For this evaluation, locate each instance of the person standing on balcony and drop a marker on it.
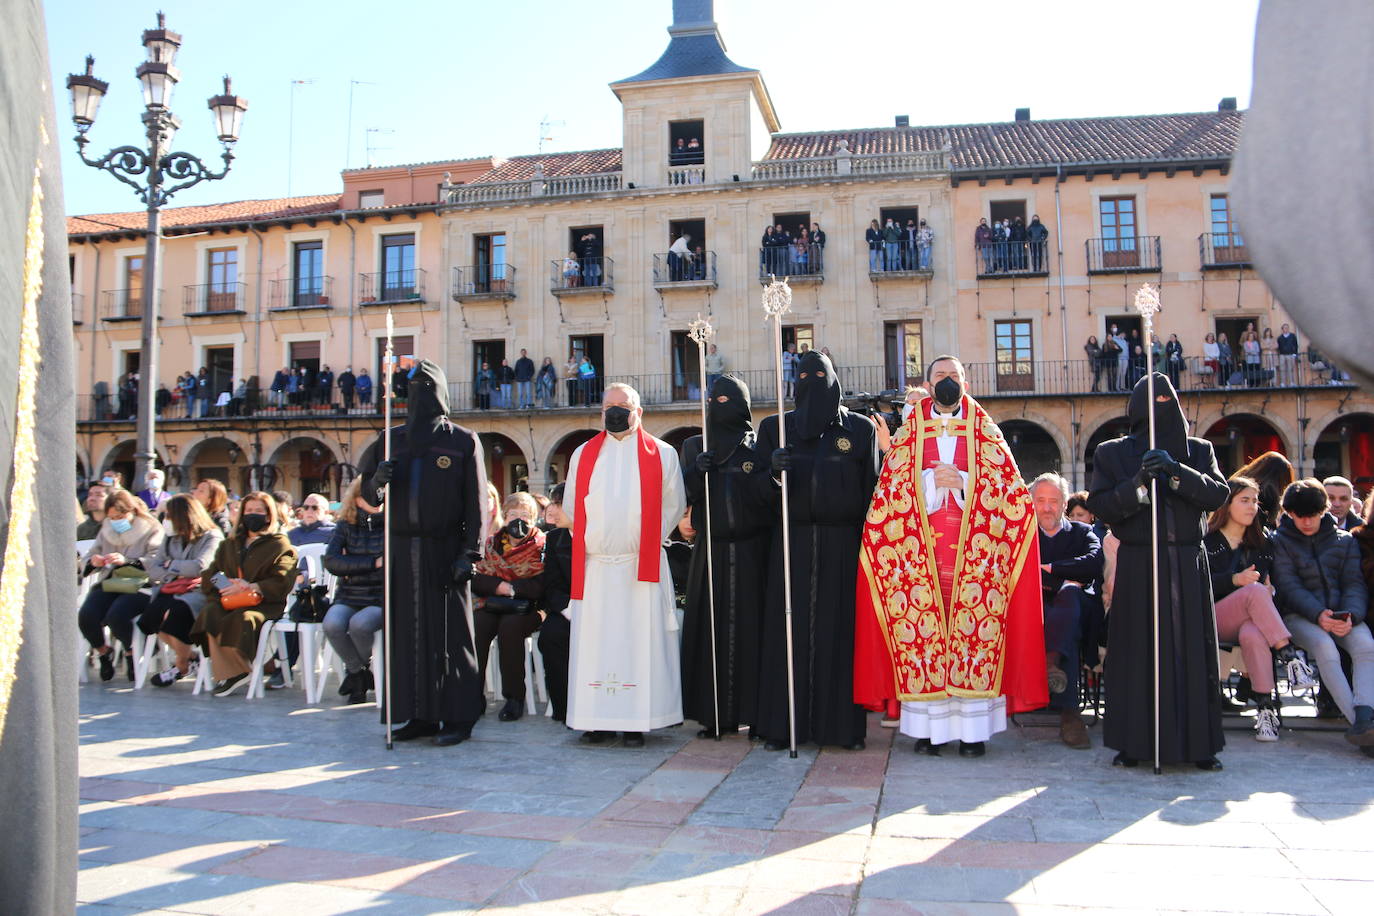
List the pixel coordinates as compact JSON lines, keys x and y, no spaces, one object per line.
{"x":909,"y":233}
{"x":347,"y":382}
{"x":570,"y":377}
{"x":1225,"y":359}
{"x":277,"y":390}
{"x":766,"y":252}
{"x":1094,"y":351}
{"x":1123,"y":357}
{"x":679,"y":256}
{"x":486,"y":380}
{"x":1253,"y":353}
{"x":789,"y":369}
{"x":505,"y":381}
{"x":324,"y":387}
{"x":571,"y":270}
{"x":892,"y":242}
{"x":1288,"y":356}
{"x":586,"y":376}
{"x":1038,"y":234}
{"x":1269,"y":350}
{"x":293,"y":387}
{"x":715,"y":366}
{"x":204,"y":394}
{"x":524,"y":381}
{"x":817,"y":248}
{"x":546,"y":383}
{"x":874,"y":238}
{"x":983,"y":241}
{"x":589,"y":250}
{"x":1001,"y":234}
{"x":925,"y":238}
{"x":1173,"y":359}
{"x":1017,"y":236}
{"x":364,"y":387}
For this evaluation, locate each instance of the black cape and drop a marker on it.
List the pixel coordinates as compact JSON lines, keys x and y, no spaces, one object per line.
{"x":437,"y":496}
{"x":38,"y":743}
{"x":1190,"y":699}
{"x":739,"y":527}
{"x":834,"y":470}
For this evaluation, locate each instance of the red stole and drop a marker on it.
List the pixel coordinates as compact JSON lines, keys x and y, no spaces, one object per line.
{"x":650,"y":509}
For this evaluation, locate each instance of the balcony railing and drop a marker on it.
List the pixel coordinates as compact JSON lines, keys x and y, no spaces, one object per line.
{"x":1126,"y":254}
{"x":121,"y":304}
{"x":563,"y":186}
{"x":391,"y":287}
{"x":696,"y":269}
{"x":484,"y":281}
{"x":576,"y":275}
{"x":801,"y":263}
{"x":301,"y":293}
{"x":900,"y":259}
{"x":1012,"y":259}
{"x":686,"y":174}
{"x":212,"y":299}
{"x":844,"y":163}
{"x":1223,"y":250}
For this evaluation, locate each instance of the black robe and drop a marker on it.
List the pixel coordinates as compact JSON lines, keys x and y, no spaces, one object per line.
{"x":740,"y":531}
{"x":1190,"y":698}
{"x":436,"y":498}
{"x":834,"y":471}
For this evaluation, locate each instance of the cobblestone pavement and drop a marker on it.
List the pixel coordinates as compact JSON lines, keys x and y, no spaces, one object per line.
{"x":205,"y":805}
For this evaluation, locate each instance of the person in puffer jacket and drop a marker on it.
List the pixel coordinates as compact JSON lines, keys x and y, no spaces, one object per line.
{"x":1323,"y":597}
{"x":354,"y":555}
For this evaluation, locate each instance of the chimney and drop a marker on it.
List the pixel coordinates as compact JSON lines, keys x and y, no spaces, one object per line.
{"x":1023,"y":114}
{"x":1227,"y":104}
{"x":903,"y":120}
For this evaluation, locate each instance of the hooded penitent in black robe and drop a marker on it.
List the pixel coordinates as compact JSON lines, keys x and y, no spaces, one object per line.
{"x":738,"y":528}
{"x":1190,"y":700}
{"x":834,"y":455}
{"x":436,"y":501}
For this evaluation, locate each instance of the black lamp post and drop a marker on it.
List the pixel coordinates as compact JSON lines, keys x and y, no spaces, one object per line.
{"x":155,"y":174}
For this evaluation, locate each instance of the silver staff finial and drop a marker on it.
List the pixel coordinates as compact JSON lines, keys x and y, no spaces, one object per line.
{"x":700,"y":331}
{"x":777,"y":297}
{"x":1147,"y":300}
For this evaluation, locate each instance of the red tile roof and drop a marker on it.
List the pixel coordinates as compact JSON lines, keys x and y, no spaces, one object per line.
{"x":556,"y":165}
{"x":209,"y":214}
{"x":1010,"y":144}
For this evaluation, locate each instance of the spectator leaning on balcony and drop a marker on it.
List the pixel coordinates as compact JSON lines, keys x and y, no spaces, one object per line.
{"x":1211,"y":359}
{"x":1037,"y":233}
{"x":892,"y":243}
{"x":679,"y":257}
{"x":586,"y":377}
{"x":278,"y":388}
{"x":129,"y":537}
{"x":874,"y":238}
{"x":1121,"y":349}
{"x":571,"y":270}
{"x":205,"y":393}
{"x":354,"y":555}
{"x":1288,"y":356}
{"x":1322,"y":594}
{"x":524,"y":381}
{"x":909,"y":245}
{"x":347,"y":382}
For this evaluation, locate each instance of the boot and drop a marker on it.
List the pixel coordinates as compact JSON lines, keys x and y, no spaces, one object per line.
{"x":1361,"y":731}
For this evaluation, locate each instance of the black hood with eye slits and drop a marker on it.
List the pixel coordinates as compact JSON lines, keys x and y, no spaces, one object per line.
{"x":818,"y":395}
{"x":728,"y":422}
{"x":427,"y":402}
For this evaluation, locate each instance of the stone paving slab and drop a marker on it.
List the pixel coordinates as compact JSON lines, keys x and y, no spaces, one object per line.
{"x":205,"y":805}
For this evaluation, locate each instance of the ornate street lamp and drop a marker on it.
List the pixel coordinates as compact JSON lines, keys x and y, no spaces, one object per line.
{"x":155,"y":173}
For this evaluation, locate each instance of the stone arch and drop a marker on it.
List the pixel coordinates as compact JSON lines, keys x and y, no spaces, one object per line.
{"x":505,"y":463}
{"x":678,"y":435}
{"x":1108,"y":427}
{"x":1034,"y":447}
{"x":120,"y":456}
{"x":556,"y":465}
{"x":216,"y":457}
{"x":1344,"y":446}
{"x":302,"y":463}
{"x":1238,"y":437}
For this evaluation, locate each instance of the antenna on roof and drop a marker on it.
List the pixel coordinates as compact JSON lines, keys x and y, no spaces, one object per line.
{"x":545,"y":131}
{"x":348,"y":130}
{"x":291,"y":130}
{"x":370,"y":147}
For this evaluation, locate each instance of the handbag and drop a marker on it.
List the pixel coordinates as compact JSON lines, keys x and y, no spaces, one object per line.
{"x":311,"y":604}
{"x":238,"y":602}
{"x":503,"y":604}
{"x":180,"y":586}
{"x":125,"y":580}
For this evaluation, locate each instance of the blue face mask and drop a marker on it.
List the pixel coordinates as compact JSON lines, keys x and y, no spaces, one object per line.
{"x":121,"y":525}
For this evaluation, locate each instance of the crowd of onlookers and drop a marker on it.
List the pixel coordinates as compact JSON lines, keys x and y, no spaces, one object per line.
{"x":792,"y":254}
{"x":1258,"y":360}
{"x":1010,"y":245}
{"x":523,"y":387}
{"x":892,"y":246}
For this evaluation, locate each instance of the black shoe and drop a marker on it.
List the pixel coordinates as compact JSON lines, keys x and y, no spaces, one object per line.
{"x":415,"y":728}
{"x":346,"y":686}
{"x":854,"y":745}
{"x":366,"y":679}
{"x":1367,"y":751}
{"x":1210,"y":765}
{"x":923,"y":746}
{"x":1361,"y":731}
{"x":1326,"y":707}
{"x":513,"y":710}
{"x":107,"y":666}
{"x":634,"y":739}
{"x":597,"y":737}
{"x":972,"y":748}
{"x":771,"y":745}
{"x":359,"y":692}
{"x":129,"y":665}
{"x":228,"y":686}
{"x":1121,"y":760}
{"x":450,"y":735}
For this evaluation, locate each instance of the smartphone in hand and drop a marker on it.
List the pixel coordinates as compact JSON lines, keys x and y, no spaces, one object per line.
{"x":220,"y":581}
{"x":1342,"y":616}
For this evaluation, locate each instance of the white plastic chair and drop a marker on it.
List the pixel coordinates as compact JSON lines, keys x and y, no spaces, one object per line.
{"x":534,"y":676}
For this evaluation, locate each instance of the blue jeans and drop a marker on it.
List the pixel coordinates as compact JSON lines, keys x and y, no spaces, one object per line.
{"x":525,"y":391}
{"x":1063,"y":634}
{"x":875,"y":260}
{"x":350,"y":632}
{"x":504,"y":400}
{"x":923,"y":253}
{"x":890,"y":251}
{"x":591,"y":275}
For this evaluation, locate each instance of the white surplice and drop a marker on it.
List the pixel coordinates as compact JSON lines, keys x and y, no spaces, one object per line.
{"x":624,"y":669}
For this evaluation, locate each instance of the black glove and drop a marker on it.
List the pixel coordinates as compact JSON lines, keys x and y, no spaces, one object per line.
{"x":382,"y":476}
{"x":705,"y":462}
{"x":462,"y":570}
{"x":782,"y":460}
{"x":1159,"y":463}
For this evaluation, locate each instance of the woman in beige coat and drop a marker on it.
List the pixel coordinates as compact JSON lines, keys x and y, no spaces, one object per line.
{"x":129,"y":536}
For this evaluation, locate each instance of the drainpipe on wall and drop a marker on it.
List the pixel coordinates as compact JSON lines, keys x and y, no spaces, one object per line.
{"x":352,"y":279}
{"x":257,"y":313}
{"x":1059,"y":244}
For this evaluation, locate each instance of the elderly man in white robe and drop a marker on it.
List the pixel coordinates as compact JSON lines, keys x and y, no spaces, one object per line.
{"x":624,"y":495}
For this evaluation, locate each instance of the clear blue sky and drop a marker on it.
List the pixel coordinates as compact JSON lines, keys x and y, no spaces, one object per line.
{"x":455,"y":79}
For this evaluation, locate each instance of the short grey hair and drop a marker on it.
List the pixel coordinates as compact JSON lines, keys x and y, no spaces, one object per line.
{"x":621,"y":386}
{"x":1338,"y":481}
{"x":1053,"y":479}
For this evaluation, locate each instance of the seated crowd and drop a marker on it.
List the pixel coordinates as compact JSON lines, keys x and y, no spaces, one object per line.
{"x":1291,"y":564}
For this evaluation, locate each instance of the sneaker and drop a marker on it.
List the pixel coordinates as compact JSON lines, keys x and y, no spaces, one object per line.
{"x":1267,"y":724}
{"x":277,"y":681}
{"x":107,"y":666}
{"x":1298,"y":671}
{"x":224,"y":688}
{"x":167,"y":678}
{"x":346,"y":685}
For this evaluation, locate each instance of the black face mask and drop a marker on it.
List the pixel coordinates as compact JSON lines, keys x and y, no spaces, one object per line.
{"x":617,"y":419}
{"x":254,"y":521}
{"x":948,"y":391}
{"x":518,"y":529}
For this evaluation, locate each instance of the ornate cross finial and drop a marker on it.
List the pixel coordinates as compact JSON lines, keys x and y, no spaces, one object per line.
{"x":777,"y":297}
{"x":700,"y":331}
{"x":1147,"y":301}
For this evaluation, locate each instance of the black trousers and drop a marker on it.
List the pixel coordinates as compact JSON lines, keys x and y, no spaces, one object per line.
{"x":109,"y":609}
{"x":555,"y":639}
{"x":168,"y":614}
{"x":510,"y":632}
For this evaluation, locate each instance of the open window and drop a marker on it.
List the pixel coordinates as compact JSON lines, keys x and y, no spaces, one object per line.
{"x":686,"y":362}
{"x":1013,"y":210}
{"x":686,"y":143}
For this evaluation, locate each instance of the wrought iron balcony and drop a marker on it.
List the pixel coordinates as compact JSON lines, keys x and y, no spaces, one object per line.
{"x":392,"y":287}
{"x":121,"y":304}
{"x":484,"y":281}
{"x":903,"y":260}
{"x":1223,"y":250}
{"x":693,"y":270}
{"x":804,"y":264}
{"x":582,"y":275}
{"x":298,"y":293}
{"x":212,"y":299}
{"x":1012,"y":259}
{"x":1123,"y":255}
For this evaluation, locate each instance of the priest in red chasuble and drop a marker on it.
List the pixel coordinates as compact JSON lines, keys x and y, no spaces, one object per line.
{"x":948,"y":601}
